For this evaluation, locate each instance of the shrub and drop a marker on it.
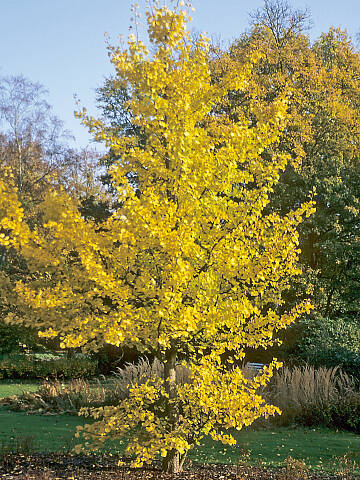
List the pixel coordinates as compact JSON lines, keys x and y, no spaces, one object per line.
{"x":331,"y":342}
{"x":16,"y":338}
{"x":322,"y":396}
{"x":142,"y":371}
{"x":55,"y":396}
{"x":31,"y":366}
{"x":305,"y":394}
{"x":343,"y":413}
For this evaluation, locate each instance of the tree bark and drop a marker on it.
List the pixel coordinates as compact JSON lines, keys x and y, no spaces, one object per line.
{"x":172,"y":462}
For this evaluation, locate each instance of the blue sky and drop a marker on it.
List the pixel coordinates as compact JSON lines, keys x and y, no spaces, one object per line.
{"x":60,"y":43}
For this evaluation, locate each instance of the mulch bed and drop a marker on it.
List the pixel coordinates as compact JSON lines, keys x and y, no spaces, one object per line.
{"x":56,"y":467}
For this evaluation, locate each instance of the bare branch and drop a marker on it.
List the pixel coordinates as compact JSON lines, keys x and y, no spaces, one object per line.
{"x":281,"y":19}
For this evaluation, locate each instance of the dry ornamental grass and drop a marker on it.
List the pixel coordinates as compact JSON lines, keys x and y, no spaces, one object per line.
{"x":307,"y":395}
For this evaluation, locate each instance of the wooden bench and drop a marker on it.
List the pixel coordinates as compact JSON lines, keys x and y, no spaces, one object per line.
{"x":257,"y":367}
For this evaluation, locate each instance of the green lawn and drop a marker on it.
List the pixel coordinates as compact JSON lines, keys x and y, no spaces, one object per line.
{"x":42,"y":433}
{"x":316,"y":446}
{"x":14,"y":387}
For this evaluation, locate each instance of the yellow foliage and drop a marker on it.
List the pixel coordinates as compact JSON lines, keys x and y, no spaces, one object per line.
{"x":188,"y":267}
{"x":322,"y":84}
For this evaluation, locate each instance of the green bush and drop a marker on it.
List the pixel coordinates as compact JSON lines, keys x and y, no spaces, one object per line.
{"x":38,"y":366}
{"x":15,"y":338}
{"x":344,"y":413}
{"x":331,"y":342}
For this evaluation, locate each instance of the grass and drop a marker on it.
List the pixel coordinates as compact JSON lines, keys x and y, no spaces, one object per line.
{"x":299,"y":390}
{"x":40,"y":433}
{"x":55,"y":433}
{"x":15,"y":387}
{"x":317,"y":447}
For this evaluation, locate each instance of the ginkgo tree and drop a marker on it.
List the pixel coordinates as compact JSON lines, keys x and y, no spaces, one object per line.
{"x":189,"y":269}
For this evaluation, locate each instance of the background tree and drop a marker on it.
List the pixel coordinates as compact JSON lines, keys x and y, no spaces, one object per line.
{"x":35,"y":146}
{"x":34,"y":142}
{"x":281,"y":20}
{"x":189,"y":269}
{"x":322,"y":138}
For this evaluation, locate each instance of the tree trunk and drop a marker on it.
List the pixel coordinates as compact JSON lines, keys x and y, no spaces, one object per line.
{"x":172,"y":462}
